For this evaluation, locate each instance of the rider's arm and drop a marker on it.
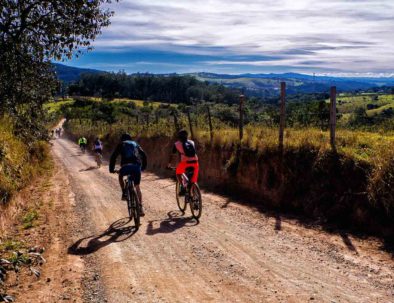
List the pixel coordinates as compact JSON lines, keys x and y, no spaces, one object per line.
{"x":143,"y":158}
{"x":112,"y":160}
{"x":174,"y":151}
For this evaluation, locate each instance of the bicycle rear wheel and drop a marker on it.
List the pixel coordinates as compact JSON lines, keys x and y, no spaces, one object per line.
{"x":181,"y":201}
{"x":195,"y":201}
{"x":135,"y":207}
{"x":130,"y":203}
{"x":99,"y":160}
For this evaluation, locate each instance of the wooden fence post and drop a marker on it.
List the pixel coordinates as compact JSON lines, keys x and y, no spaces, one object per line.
{"x":241,"y":117}
{"x":282,"y":113}
{"x":333,"y":115}
{"x":190,"y":123}
{"x":210,"y":124}
{"x":176,"y":125}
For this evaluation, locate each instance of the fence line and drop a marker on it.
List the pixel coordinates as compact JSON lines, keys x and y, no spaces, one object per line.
{"x":282,"y":120}
{"x":241,"y":117}
{"x":333,"y":115}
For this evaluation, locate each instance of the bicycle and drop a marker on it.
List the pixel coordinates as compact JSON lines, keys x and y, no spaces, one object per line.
{"x":99,"y":159}
{"x":192,"y":195}
{"x":83,"y":148}
{"x":133,"y":203}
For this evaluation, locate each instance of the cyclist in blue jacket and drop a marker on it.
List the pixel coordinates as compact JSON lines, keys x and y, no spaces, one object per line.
{"x":133,"y":161}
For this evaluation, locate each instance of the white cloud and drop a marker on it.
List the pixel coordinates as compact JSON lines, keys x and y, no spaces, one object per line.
{"x":350,"y":36}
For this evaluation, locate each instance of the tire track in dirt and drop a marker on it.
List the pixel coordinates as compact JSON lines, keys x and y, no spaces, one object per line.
{"x":235,"y":254}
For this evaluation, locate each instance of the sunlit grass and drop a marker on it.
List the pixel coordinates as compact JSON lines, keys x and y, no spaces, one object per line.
{"x":347,"y":104}
{"x":54,"y":106}
{"x":358,"y":144}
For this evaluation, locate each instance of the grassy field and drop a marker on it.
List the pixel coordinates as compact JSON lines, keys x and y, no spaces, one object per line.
{"x":55,"y":106}
{"x":365,"y":146}
{"x":347,"y":104}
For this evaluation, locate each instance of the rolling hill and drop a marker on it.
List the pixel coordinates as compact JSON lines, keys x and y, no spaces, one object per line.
{"x":69,"y":74}
{"x":262,"y":85}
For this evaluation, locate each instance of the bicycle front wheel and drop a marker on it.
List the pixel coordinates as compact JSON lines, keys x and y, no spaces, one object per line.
{"x":181,"y":201}
{"x":195,"y":201}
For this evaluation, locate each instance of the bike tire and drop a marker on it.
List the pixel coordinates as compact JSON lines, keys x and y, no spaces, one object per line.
{"x":195,"y":201}
{"x":99,"y":160}
{"x":130,"y":205}
{"x":180,"y":201}
{"x":135,"y":208}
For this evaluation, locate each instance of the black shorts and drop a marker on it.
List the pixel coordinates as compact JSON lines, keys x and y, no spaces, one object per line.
{"x":133,"y":170}
{"x":98,"y":151}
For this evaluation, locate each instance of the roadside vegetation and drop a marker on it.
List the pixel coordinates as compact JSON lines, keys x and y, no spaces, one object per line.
{"x":20,"y":160}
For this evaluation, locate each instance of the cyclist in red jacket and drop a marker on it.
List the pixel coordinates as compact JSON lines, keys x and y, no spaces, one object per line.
{"x":187,"y":150}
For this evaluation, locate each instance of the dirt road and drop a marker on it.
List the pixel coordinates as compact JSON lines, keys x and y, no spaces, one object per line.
{"x":235,"y":254}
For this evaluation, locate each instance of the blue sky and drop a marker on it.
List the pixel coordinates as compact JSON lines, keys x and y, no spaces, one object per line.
{"x":336,"y":37}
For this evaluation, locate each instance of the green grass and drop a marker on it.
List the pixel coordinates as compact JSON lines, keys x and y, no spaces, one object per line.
{"x":138,"y":103}
{"x":54,"y":107}
{"x":377,"y":111}
{"x":347,"y":104}
{"x":10,"y":245}
{"x":29,"y":219}
{"x":358,"y":144}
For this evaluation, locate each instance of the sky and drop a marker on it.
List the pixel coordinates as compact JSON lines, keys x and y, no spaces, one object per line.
{"x":334,"y":37}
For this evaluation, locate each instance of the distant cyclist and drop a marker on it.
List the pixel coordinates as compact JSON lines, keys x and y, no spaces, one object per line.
{"x":98,"y":150}
{"x":98,"y":146}
{"x":187,"y":149}
{"x":133,"y":161}
{"x":82,"y":143}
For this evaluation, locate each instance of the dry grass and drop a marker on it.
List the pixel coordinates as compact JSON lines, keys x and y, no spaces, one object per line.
{"x":363,"y":146}
{"x":372,"y":152}
{"x":18,"y":161}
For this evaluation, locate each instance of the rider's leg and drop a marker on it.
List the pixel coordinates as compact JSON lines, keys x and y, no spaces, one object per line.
{"x":139,"y":193}
{"x":180,"y":169}
{"x":121,"y":182}
{"x":195,"y":172}
{"x":137,"y":181}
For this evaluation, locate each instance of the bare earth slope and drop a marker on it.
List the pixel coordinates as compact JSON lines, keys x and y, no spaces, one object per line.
{"x":234,"y":254}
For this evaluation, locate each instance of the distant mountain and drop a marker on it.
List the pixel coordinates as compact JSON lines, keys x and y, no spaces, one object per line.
{"x":268,"y":84}
{"x":70,"y":74}
{"x":262,"y":85}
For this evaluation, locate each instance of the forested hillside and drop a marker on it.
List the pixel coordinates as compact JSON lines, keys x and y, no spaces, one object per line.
{"x":171,"y":88}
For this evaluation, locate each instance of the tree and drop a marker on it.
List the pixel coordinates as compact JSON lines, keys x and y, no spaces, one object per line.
{"x":33,"y":32}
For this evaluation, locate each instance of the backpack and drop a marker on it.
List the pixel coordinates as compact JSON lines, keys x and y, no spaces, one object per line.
{"x":130,"y":152}
{"x":189,"y":149}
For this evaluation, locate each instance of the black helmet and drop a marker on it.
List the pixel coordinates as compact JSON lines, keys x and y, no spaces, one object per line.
{"x":182,"y":135}
{"x":125,"y":137}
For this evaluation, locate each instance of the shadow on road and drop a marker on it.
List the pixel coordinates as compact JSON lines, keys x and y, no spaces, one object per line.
{"x":89,"y":168}
{"x":116,"y":232}
{"x":278,"y":222}
{"x":171,"y":224}
{"x":76,"y":155}
{"x":348,"y":242}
